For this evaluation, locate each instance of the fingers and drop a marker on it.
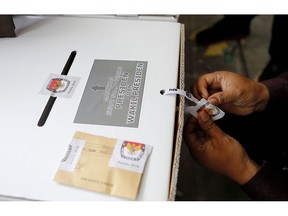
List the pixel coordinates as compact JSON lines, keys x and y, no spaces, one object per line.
{"x":201,"y":130}
{"x":200,"y":89}
{"x":207,"y":124}
{"x":190,"y":124}
{"x":189,"y":130}
{"x":218,"y":98}
{"x":206,"y":84}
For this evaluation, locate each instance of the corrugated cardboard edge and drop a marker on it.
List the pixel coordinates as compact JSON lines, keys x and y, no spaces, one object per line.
{"x":180,"y":120}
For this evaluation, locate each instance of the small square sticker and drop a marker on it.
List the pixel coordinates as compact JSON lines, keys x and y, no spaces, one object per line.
{"x":130,"y":156}
{"x":60,"y":85}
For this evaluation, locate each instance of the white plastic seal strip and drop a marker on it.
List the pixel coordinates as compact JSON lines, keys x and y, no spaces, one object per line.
{"x":203,"y":104}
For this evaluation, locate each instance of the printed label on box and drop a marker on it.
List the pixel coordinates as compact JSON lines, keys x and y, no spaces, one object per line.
{"x":113,"y":93}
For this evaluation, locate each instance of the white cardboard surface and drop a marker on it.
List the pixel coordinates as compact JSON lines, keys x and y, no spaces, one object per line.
{"x":30,"y":155}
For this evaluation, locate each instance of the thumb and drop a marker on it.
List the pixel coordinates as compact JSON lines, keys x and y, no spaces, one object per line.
{"x":219,"y":98}
{"x":207,"y":124}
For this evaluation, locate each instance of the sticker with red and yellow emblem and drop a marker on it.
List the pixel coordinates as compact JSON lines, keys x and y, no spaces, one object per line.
{"x":130,"y":155}
{"x":60,"y":85}
{"x":132,"y":150}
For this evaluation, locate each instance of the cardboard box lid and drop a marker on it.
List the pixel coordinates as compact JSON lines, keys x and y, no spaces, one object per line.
{"x":42,"y":48}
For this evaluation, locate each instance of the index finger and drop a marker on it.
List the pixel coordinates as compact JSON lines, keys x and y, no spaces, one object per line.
{"x":206,"y":82}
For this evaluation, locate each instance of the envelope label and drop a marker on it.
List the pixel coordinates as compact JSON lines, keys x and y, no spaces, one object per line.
{"x":130,"y":155}
{"x":69,"y":162}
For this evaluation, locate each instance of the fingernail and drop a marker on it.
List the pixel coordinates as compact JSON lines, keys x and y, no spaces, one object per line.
{"x":204,"y":96}
{"x":212,"y":101}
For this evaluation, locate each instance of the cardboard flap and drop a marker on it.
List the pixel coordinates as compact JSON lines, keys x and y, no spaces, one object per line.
{"x":180,"y":119}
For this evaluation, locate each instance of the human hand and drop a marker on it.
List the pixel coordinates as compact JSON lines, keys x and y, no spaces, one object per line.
{"x":211,"y":147}
{"x":232,"y":92}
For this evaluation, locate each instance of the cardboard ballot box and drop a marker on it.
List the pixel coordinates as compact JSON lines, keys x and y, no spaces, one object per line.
{"x":30,"y":154}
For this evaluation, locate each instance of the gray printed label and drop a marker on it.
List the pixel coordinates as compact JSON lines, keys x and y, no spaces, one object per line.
{"x":113,"y":93}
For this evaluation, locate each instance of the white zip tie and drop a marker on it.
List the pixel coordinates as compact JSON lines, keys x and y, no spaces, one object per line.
{"x":203,"y":104}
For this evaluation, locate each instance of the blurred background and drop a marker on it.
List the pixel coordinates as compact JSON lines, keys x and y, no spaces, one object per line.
{"x":248,"y":56}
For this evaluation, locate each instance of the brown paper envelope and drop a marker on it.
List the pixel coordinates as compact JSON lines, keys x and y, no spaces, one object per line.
{"x":93,"y":173}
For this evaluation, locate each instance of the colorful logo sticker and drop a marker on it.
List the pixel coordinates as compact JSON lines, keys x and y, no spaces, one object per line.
{"x":210,"y":109}
{"x":132,"y":150}
{"x":58,"y":85}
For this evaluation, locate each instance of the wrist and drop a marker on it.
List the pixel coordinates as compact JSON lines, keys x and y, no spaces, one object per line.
{"x":249,"y":169}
